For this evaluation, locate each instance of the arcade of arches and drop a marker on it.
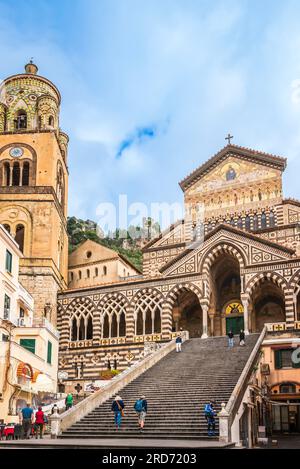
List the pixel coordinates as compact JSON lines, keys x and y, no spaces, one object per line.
{"x":266,"y":304}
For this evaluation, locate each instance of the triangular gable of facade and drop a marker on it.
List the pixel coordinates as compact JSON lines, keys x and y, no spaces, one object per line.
{"x":242,"y":153}
{"x":252,"y":249}
{"x":90,"y":251}
{"x":172,"y":235}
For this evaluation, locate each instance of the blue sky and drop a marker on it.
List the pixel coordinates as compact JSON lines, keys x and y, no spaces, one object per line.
{"x":151,"y":88}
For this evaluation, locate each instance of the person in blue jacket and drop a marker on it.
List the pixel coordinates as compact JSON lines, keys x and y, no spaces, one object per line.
{"x":210,"y":415}
{"x":141,"y":408}
{"x":117,"y":407}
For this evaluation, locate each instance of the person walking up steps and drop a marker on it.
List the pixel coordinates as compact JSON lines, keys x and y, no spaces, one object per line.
{"x":117,"y":407}
{"x":242,"y":338}
{"x":69,"y":401}
{"x":230,"y":339}
{"x":141,"y":408}
{"x":210,"y":415}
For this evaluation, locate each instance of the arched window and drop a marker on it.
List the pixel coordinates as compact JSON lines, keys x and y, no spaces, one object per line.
{"x":255,"y":222}
{"x":89,"y":328}
{"x":81,"y":323}
{"x":51,"y":121}
{"x":114,"y":326}
{"x":147,"y":307}
{"x":240,"y":223}
{"x":21,"y":120}
{"x":7,"y":227}
{"x":81,"y":329}
{"x":74,"y":329}
{"x":271,"y":219}
{"x":148,"y":322}
{"x":96,"y":271}
{"x":263,"y":222}
{"x":16,"y":174}
{"x":122,"y":325}
{"x":232,"y":223}
{"x":247,"y":223}
{"x":6,"y":174}
{"x":104,"y":270}
{"x":20,"y":234}
{"x":105,"y":332}
{"x":139,"y":323}
{"x":157,"y":321}
{"x":287,"y":388}
{"x":25,"y":175}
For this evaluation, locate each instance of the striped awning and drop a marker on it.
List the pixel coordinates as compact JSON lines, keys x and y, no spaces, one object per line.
{"x":24,"y":369}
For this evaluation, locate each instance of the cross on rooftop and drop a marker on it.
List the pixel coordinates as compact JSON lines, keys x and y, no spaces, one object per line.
{"x":229,"y":137}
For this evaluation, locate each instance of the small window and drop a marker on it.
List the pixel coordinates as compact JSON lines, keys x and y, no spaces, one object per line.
{"x":105,"y":270}
{"x":271,"y":219}
{"x":6,"y":306}
{"x":8,"y":261}
{"x":21,"y":120}
{"x":88,"y":273}
{"x":51,"y":121}
{"x":29,"y":344}
{"x":21,"y":313}
{"x":255,"y":222}
{"x":89,"y":254}
{"x":287,"y":388}
{"x":49,"y":353}
{"x":263,"y":220}
{"x":71,"y":276}
{"x":96,"y":271}
{"x":79,"y":274}
{"x":247,"y":223}
{"x":5,"y":338}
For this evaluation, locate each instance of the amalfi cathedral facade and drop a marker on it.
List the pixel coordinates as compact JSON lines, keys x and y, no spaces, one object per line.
{"x":232,"y":263}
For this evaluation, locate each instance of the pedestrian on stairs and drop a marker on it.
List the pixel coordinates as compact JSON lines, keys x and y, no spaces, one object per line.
{"x":140,"y":407}
{"x":211,"y":421}
{"x":242,"y":338}
{"x":178,"y":343}
{"x":230,"y":339}
{"x":117,"y":407}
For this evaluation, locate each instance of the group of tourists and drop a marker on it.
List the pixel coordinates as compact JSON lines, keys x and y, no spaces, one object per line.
{"x":29,"y":420}
{"x":140,"y":408}
{"x":231,"y":338}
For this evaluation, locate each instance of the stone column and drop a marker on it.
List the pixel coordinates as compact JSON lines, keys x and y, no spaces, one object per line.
{"x":11,"y":175}
{"x":21,"y":174}
{"x":289,"y":308}
{"x":246,"y":315}
{"x":130,"y":324}
{"x":204,"y":320}
{"x":166,"y":321}
{"x":224,"y":433}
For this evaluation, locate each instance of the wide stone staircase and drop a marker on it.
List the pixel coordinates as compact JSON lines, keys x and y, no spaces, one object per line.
{"x":176,"y":389}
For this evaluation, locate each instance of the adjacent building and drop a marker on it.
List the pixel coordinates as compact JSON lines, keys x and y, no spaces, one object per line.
{"x":28,"y":345}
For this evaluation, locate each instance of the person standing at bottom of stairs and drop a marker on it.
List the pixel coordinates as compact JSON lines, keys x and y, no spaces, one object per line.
{"x":141,"y":408}
{"x":210,"y":415}
{"x":117,"y":407}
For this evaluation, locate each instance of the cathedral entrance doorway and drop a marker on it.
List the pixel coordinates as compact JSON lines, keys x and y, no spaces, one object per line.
{"x":187,"y":313}
{"x":226,"y":310}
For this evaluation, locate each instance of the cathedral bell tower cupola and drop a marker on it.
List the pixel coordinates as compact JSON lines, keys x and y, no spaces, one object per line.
{"x":31,"y":68}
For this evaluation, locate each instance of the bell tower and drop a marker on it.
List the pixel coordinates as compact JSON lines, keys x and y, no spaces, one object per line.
{"x":34,"y":183}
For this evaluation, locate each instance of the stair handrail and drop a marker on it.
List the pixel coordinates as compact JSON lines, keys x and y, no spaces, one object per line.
{"x":229,"y":411}
{"x":60,"y":422}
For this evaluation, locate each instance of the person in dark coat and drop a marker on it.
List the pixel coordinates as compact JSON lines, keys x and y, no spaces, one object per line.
{"x":230,"y":339}
{"x":242,"y":338}
{"x":117,"y":407}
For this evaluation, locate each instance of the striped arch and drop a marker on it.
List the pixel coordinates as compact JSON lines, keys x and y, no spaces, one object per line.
{"x":295,"y":281}
{"x":261,"y":277}
{"x":146,"y":292}
{"x":77,"y":303}
{"x":173,"y":294}
{"x":213,"y":253}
